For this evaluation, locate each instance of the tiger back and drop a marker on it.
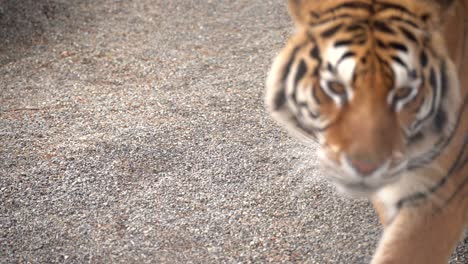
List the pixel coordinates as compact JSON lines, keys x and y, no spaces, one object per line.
{"x":381,"y":86}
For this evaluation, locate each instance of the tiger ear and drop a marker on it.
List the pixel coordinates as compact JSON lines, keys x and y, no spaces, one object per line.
{"x":302,"y":11}
{"x":444,"y":4}
{"x":446,"y":8}
{"x":296,"y":10}
{"x":434,"y":13}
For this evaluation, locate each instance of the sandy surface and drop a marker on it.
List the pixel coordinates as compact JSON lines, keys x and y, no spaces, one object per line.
{"x":135,"y":132}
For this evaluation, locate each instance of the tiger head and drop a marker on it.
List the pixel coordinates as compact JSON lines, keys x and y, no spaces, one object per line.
{"x":371,"y":82}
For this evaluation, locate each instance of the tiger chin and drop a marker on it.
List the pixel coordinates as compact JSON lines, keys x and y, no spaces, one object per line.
{"x":381,"y":86}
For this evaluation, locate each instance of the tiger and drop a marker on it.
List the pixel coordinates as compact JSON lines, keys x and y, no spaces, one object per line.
{"x":379,"y":86}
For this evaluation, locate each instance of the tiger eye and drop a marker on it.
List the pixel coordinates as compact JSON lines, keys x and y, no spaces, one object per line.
{"x":402,"y":93}
{"x":337,"y":87}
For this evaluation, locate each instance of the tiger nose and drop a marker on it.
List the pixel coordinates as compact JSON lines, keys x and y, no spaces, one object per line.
{"x":364,"y":166}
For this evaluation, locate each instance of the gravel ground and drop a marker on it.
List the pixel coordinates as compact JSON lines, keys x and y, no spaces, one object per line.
{"x":135,"y":132}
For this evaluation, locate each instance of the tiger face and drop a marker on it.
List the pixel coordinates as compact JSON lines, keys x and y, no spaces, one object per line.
{"x":371,"y":83}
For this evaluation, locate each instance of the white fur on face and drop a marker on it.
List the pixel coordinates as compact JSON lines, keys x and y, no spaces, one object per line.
{"x":403,"y":79}
{"x":344,"y":70}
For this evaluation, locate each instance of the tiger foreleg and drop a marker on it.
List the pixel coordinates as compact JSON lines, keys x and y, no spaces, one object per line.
{"x":421,"y":235}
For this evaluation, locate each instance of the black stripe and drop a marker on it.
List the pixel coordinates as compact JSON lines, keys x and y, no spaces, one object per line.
{"x":406,"y":21}
{"x":343,"y":42}
{"x":385,"y":6}
{"x":398,"y":46}
{"x":315,"y":54}
{"x":423,"y":60}
{"x":280,"y":97}
{"x":329,"y":19}
{"x":433,"y":80}
{"x":383,"y":27}
{"x":443,"y":79}
{"x":440,"y":119}
{"x":287,"y":69}
{"x":399,"y":61}
{"x":331,"y":31}
{"x":410,"y":36}
{"x":302,"y":69}
{"x":345,"y":56}
{"x":279,"y":100}
{"x":381,"y":44}
{"x":355,"y":27}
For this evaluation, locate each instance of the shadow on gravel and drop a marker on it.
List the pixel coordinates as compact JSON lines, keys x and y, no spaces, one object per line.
{"x":26,"y":24}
